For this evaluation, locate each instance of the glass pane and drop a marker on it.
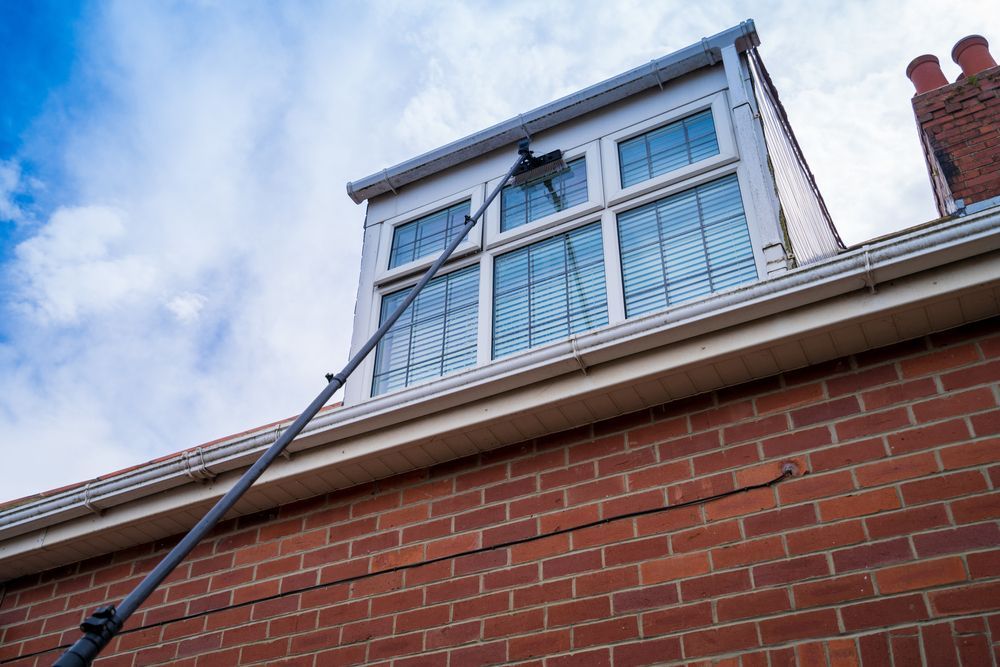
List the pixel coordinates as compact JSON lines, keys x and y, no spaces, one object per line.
{"x":428,"y":235}
{"x":685,"y":246}
{"x":435,"y":335}
{"x":667,"y":148}
{"x":549,"y":290}
{"x":521,"y":204}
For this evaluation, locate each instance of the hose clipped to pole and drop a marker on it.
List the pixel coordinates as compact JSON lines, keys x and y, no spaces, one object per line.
{"x":107,"y":621}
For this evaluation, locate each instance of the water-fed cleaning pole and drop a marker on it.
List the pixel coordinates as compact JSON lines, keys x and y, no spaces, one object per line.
{"x":108,"y":620}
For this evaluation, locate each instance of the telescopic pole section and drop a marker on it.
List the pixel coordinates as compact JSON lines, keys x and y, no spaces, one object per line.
{"x":108,"y":620}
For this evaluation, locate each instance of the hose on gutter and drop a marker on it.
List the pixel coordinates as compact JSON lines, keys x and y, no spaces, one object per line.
{"x":107,"y":621}
{"x":788,"y":469}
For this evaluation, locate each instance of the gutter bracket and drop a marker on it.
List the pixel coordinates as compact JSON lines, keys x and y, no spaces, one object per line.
{"x":199,"y":472}
{"x":869,"y":277}
{"x":656,"y":73}
{"x":385,"y":176}
{"x":524,"y":126}
{"x":576,"y":355}
{"x":87,"y":501}
{"x":708,"y":52}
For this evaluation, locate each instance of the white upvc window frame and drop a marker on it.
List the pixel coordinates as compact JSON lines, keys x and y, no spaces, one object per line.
{"x":473,"y":241}
{"x":591,"y":152}
{"x":389,"y":287}
{"x":728,"y":151}
{"x":753,"y":226}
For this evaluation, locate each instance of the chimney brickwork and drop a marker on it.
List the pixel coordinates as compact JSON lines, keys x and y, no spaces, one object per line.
{"x":959,"y":126}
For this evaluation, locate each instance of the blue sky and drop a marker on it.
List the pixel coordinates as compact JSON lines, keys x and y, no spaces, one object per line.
{"x":178,"y":257}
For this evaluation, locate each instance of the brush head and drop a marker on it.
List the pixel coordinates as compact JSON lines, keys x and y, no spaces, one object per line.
{"x":533,"y":168}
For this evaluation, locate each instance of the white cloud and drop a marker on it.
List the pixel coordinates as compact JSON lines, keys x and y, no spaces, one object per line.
{"x":200,"y":275}
{"x":10,"y":185}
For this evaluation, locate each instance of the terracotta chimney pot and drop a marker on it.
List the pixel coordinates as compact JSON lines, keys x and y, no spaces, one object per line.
{"x":925,"y":73}
{"x":972,"y":53}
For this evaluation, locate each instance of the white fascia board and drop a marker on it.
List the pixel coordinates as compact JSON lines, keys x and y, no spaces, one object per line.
{"x":478,"y":396}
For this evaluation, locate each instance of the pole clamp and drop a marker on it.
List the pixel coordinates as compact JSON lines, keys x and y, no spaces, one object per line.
{"x":102,"y":621}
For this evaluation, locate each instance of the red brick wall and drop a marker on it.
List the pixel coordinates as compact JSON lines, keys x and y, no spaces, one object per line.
{"x":961,"y":127}
{"x":884,"y":543}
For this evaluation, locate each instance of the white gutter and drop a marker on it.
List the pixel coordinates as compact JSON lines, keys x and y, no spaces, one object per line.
{"x":705,"y":53}
{"x":910,"y":252}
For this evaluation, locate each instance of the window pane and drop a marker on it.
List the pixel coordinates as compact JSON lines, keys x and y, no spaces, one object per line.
{"x":667,"y":148}
{"x":549,"y":290}
{"x":684,"y":246}
{"x":521,"y":204}
{"x":428,"y":235}
{"x":434,"y":336}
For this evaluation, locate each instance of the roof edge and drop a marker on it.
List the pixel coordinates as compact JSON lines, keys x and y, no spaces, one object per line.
{"x":655,"y":73}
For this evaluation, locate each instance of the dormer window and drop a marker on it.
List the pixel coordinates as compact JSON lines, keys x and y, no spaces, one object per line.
{"x":549,"y":290}
{"x":684,"y":246}
{"x":667,"y":148}
{"x":435,"y":335}
{"x":428,"y":235}
{"x":521,"y":204}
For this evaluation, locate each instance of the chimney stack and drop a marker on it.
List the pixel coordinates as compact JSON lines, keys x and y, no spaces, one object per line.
{"x":959,"y":125}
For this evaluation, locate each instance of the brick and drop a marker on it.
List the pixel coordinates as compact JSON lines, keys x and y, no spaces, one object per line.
{"x":850,"y":454}
{"x":968,"y":377}
{"x":699,"y":538}
{"x":676,"y":618}
{"x":577,"y":611}
{"x":927,"y":437}
{"x":657,"y":432}
{"x":833,"y":591}
{"x":925,"y":574}
{"x":647,"y":652}
{"x":660,"y":475}
{"x":567,"y":476}
{"x":605,"y":632}
{"x":871,"y":424}
{"x":812,"y":487}
{"x":825,"y":537}
{"x":596,"y":490}
{"x":980,"y":508}
{"x":739,"y":504}
{"x":884,"y":612}
{"x":424,"y":531}
{"x":481,"y":654}
{"x":938,"y":646}
{"x":636,"y":551}
{"x":404,"y":516}
{"x":543,"y":643}
{"x":481,"y":477}
{"x":896,"y":469}
{"x":720,"y":640}
{"x":571,"y":564}
{"x":486,"y":516}
{"x":457,"y":503}
{"x":720,"y":416}
{"x":907,"y":521}
{"x":452,"y":589}
{"x":966,"y":600}
{"x":965,"y":538}
{"x":700,"y":489}
{"x":605,"y":533}
{"x":747,"y":552}
{"x":483,"y":560}
{"x":935,"y":362}
{"x":393,"y":647}
{"x":859,"y":504}
{"x":686,"y":446}
{"x":634,"y":502}
{"x":797,"y":441}
{"x":646,"y":597}
{"x":538,"y":549}
{"x":864,"y":379}
{"x":714,"y":585}
{"x":750,"y":605}
{"x":477,"y":607}
{"x":787,"y":571}
{"x":756,"y":429}
{"x":868,"y":556}
{"x":943,"y":486}
{"x":821,"y":623}
{"x":510,"y":533}
{"x":506,"y":577}
{"x":903,"y":392}
{"x":971,"y":454}
{"x":983,"y":565}
{"x":428,"y":491}
{"x":545,"y":592}
{"x":829,"y":411}
{"x":374,"y":504}
{"x":672,"y":520}
{"x":780,"y":520}
{"x":790,"y":397}
{"x":369,"y":545}
{"x":626,"y":461}
{"x":955,"y":404}
{"x":508,"y":490}
{"x":731,"y":457}
{"x":987,"y":423}
{"x":607,"y":580}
